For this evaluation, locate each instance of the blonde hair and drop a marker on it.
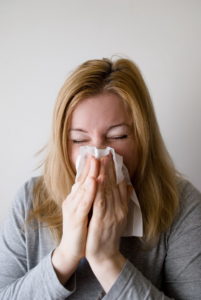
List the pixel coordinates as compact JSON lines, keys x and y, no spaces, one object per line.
{"x":155,"y":179}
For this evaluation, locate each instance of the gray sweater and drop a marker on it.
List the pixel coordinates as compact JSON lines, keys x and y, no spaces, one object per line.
{"x":172,"y":269}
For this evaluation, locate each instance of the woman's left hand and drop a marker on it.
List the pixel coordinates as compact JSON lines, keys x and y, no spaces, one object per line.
{"x":108,"y":221}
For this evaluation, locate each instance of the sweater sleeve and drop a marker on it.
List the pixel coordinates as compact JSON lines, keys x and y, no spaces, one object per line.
{"x":182,"y":266}
{"x":131,"y":284}
{"x":16,"y":280}
{"x":183,"y":260}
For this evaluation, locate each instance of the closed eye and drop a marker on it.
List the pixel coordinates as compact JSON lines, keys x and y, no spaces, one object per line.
{"x":78,"y":141}
{"x":120,"y":137}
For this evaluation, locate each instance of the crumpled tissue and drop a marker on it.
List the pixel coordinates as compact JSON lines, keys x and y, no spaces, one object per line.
{"x":134,"y":225}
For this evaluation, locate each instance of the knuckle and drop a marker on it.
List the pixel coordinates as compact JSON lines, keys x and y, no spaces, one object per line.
{"x":75,"y":186}
{"x":89,"y":183}
{"x":100,"y":203}
{"x":121,"y":217}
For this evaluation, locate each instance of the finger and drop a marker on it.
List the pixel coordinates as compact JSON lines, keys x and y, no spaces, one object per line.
{"x":89,"y":185}
{"x":87,"y":196}
{"x":111,"y":170}
{"x":85,"y":170}
{"x":94,"y":167}
{"x":116,"y":199}
{"x":84,"y":192}
{"x":99,"y":207}
{"x":125,"y":193}
{"x":111,"y":188}
{"x":102,"y":171}
{"x":108,"y":190}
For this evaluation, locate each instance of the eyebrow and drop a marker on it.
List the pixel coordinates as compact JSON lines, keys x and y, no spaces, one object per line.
{"x":111,"y":127}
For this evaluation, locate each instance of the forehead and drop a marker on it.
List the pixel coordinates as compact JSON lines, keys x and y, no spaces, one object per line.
{"x":101,"y":108}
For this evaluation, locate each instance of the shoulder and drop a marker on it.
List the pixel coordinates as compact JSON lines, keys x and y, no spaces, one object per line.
{"x":190,"y":197}
{"x":188,"y":191}
{"x":183,"y":246}
{"x":188,"y":216}
{"x":14,"y":223}
{"x":23,"y":200}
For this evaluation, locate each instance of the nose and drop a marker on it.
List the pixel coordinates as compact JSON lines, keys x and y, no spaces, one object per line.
{"x":99,"y":142}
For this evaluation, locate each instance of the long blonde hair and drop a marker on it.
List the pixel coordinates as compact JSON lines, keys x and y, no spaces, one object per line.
{"x":155,"y":179}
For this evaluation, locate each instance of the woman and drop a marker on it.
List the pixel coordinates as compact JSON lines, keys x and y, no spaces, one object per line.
{"x":64,"y":237}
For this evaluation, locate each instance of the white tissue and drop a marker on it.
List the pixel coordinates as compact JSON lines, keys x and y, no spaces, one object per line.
{"x":134,"y":225}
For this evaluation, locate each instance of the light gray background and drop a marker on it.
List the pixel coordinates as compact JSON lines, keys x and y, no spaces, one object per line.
{"x":41,"y":41}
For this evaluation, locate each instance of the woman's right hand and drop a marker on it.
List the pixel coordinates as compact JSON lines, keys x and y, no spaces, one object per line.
{"x":75,"y":211}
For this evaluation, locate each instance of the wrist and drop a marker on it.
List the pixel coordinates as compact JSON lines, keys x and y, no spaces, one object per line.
{"x":107,"y":270}
{"x":64,"y":266}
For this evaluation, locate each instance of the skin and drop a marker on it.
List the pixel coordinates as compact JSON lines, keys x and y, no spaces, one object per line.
{"x":94,"y":123}
{"x":101,"y":121}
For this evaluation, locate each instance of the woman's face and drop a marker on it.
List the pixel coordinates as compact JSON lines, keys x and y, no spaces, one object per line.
{"x":101,"y":121}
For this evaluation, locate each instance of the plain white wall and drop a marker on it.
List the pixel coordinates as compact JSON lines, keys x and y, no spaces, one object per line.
{"x":41,"y":41}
